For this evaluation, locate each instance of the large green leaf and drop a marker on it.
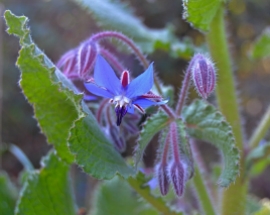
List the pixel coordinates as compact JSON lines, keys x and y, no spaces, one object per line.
{"x":47,"y":191}
{"x":8,"y":195}
{"x":152,"y":126}
{"x":94,"y":153}
{"x":117,"y":16}
{"x":261,"y":47}
{"x":127,"y":202}
{"x":206,"y":123}
{"x":57,"y":107}
{"x":54,"y":109}
{"x":200,"y":13}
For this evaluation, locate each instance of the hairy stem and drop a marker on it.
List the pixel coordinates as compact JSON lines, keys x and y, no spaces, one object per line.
{"x":233,"y":201}
{"x":261,"y":129}
{"x":184,"y":90}
{"x":201,"y":183}
{"x":157,"y":203}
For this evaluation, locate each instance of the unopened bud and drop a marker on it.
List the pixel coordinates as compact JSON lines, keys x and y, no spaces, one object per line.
{"x":203,"y":74}
{"x":67,"y":62}
{"x":177,"y":175}
{"x":163,"y":179}
{"x":118,"y":141}
{"x":86,"y":56}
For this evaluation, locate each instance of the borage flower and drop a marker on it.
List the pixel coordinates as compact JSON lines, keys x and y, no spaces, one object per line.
{"x":124,"y":94}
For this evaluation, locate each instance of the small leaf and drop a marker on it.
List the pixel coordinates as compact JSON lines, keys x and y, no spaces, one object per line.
{"x":206,"y":123}
{"x":8,"y":195}
{"x":258,"y":159}
{"x":47,"y":191}
{"x":54,"y":109}
{"x":94,"y":153}
{"x":105,"y":201}
{"x":261,"y":47}
{"x":200,"y":13}
{"x":151,"y":127}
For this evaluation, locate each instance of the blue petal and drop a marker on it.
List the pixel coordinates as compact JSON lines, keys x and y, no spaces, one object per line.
{"x":92,"y":88}
{"x":142,"y":84}
{"x":130,"y":109}
{"x":105,"y":77}
{"x":145,"y":103}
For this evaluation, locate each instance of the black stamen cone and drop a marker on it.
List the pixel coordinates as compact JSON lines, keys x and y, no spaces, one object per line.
{"x":120,"y":113}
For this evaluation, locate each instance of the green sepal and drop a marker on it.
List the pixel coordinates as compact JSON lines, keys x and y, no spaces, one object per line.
{"x":206,"y":123}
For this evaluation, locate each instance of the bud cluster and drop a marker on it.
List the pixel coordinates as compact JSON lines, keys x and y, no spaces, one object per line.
{"x":171,"y":166}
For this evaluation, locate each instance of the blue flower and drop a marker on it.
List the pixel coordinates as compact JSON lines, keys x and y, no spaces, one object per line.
{"x":124,"y":94}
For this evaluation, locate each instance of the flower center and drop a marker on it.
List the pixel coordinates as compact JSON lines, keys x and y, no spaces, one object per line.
{"x":121,"y":105}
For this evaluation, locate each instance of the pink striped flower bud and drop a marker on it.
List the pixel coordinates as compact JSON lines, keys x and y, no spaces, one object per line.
{"x":86,"y":57}
{"x":163,"y":179}
{"x":177,"y":176}
{"x":203,"y":74}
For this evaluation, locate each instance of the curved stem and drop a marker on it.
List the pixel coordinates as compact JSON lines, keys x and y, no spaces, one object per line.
{"x":130,"y":44}
{"x":233,"y":197}
{"x":261,"y":129}
{"x":157,"y":203}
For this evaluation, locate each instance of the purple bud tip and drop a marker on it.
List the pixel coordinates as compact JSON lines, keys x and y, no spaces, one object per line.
{"x":204,"y":75}
{"x":177,"y":175}
{"x":163,"y":179}
{"x":120,"y":113}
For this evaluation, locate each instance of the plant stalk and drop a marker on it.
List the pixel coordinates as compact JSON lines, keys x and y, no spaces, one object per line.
{"x":234,"y":198}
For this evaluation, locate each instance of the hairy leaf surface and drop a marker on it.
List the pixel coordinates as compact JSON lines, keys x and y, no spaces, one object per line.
{"x":200,"y":13}
{"x":205,"y":122}
{"x":47,"y":191}
{"x":152,"y":126}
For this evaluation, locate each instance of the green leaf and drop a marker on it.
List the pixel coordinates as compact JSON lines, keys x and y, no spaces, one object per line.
{"x":94,"y":153}
{"x":57,"y":107}
{"x":8,"y":195}
{"x":261,"y":47}
{"x":258,"y":159}
{"x":54,"y":107}
{"x":200,"y":13}
{"x":206,"y":123}
{"x":47,"y":191}
{"x":105,"y":201}
{"x":265,"y":209}
{"x":152,"y":126}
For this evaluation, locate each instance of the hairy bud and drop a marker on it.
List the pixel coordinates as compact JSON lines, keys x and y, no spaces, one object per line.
{"x":177,"y":175}
{"x":163,"y":179}
{"x":203,"y":74}
{"x":86,"y":56}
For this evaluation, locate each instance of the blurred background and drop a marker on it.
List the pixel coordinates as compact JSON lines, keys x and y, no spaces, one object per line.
{"x":59,"y":25}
